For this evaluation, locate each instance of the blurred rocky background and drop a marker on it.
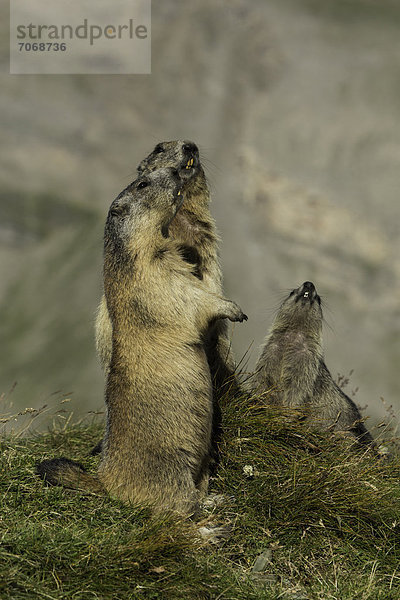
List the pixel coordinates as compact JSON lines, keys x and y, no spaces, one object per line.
{"x":295,"y":106}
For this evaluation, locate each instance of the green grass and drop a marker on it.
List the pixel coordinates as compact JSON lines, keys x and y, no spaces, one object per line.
{"x":328,"y":516}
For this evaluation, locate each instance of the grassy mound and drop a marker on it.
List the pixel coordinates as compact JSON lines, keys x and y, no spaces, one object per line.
{"x":312,"y":519}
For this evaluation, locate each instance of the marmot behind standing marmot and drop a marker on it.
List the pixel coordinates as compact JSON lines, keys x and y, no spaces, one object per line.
{"x":292,"y":366}
{"x":158,"y":393}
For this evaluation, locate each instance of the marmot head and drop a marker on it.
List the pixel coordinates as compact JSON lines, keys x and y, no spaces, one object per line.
{"x":143,"y":211}
{"x":301,"y":311}
{"x":182,"y":155}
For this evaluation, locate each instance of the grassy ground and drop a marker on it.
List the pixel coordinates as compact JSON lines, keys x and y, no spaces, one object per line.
{"x":323,"y":519}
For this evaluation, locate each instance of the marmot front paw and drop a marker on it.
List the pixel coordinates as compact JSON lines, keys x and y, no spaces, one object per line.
{"x":235,"y":313}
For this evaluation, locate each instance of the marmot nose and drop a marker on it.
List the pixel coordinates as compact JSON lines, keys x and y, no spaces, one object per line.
{"x":190,"y":148}
{"x":307,"y":290}
{"x":308,"y":286}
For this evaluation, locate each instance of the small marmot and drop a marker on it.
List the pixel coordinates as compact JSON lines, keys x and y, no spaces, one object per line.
{"x":292,"y":366}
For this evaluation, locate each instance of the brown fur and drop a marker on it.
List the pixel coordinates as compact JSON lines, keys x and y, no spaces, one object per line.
{"x":195,"y":230}
{"x":292,"y":367}
{"x":158,"y":394}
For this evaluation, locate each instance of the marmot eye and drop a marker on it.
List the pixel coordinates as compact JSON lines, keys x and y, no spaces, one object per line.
{"x":158,"y":149}
{"x":142,"y":185}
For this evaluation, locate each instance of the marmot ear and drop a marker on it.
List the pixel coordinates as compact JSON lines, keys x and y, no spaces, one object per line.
{"x":115,"y":212}
{"x":119,"y":210}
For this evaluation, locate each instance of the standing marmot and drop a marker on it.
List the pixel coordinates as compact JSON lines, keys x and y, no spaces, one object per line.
{"x":292,"y":366}
{"x":195,"y":230}
{"x":158,"y":393}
